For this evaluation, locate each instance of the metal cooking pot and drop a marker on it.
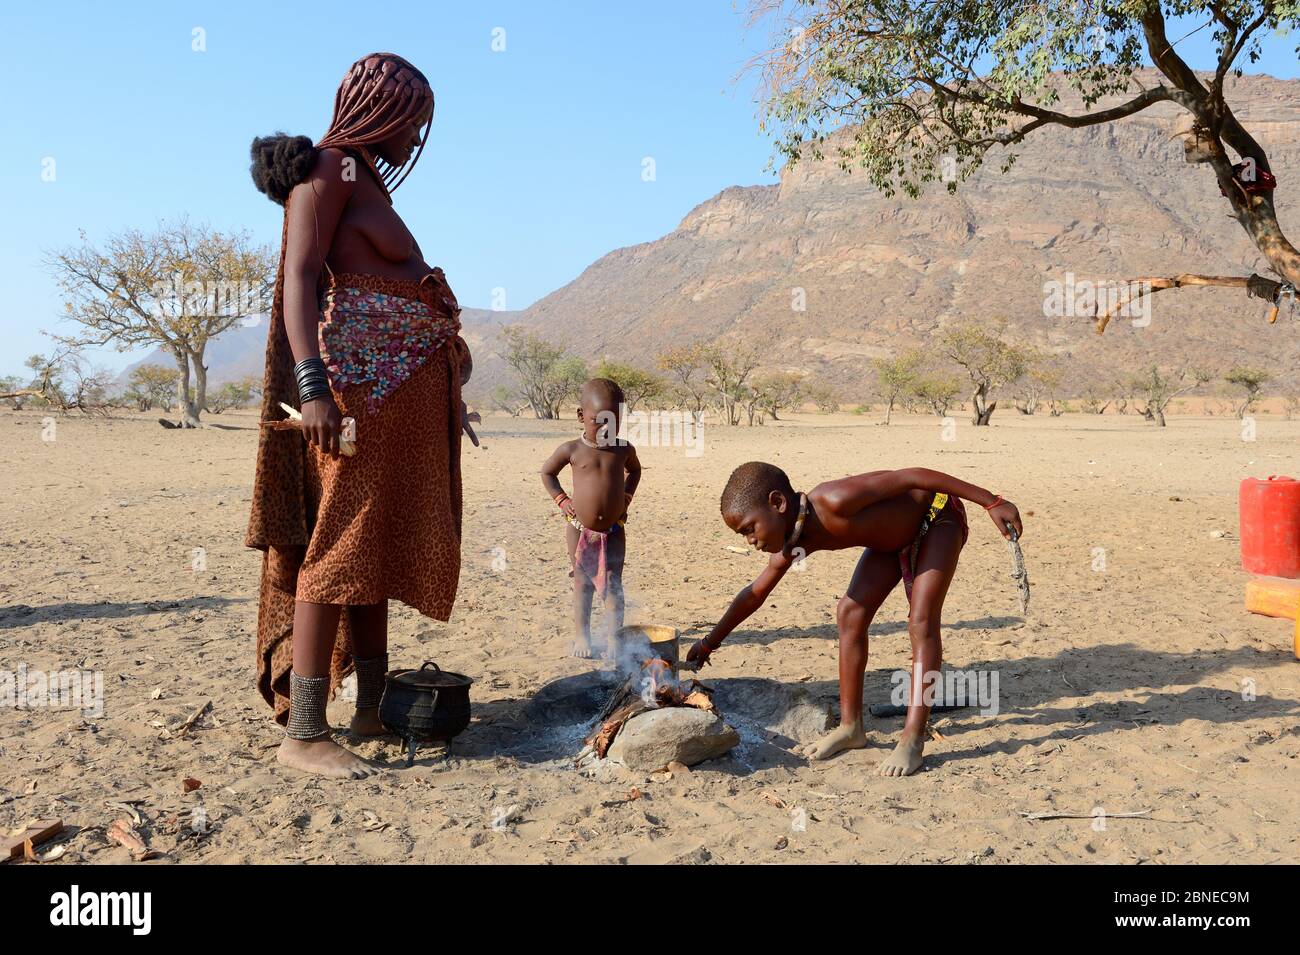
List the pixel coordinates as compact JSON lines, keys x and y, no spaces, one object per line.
{"x":428,"y":705}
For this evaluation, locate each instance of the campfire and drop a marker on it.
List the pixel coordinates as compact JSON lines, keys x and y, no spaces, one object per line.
{"x":652,"y":686}
{"x":654,"y":717}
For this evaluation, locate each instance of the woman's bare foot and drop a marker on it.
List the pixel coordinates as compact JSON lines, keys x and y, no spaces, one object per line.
{"x":582,"y":649}
{"x":906,"y":757}
{"x":324,"y":757}
{"x":845,"y":736}
{"x":365,"y":722}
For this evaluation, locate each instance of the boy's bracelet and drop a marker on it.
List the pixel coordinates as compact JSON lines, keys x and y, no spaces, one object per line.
{"x":560,"y":499}
{"x":996,"y":501}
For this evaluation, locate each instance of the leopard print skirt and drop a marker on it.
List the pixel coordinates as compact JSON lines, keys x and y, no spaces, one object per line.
{"x":383,"y":524}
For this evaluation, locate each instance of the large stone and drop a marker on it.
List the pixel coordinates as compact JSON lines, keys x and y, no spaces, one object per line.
{"x":652,"y":740}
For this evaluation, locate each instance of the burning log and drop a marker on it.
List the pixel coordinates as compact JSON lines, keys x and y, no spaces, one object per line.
{"x":652,"y":686}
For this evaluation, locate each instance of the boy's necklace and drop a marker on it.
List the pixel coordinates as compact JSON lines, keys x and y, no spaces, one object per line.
{"x":588,"y":442}
{"x":798,"y":521}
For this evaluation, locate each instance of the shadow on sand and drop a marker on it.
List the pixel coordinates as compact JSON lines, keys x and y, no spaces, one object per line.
{"x":21,"y":615}
{"x":773,"y":716}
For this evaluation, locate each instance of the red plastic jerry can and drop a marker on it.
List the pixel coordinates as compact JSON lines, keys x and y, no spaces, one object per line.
{"x":1270,"y":526}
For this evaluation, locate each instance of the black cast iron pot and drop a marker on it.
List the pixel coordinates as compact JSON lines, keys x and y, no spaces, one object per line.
{"x":428,"y":705}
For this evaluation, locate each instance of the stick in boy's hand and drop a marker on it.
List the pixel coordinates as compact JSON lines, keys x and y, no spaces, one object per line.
{"x":1018,"y":572}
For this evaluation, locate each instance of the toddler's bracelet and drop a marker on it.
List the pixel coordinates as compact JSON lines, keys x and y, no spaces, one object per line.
{"x":996,"y":501}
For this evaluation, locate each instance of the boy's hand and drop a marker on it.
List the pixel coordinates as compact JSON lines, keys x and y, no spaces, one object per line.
{"x":568,"y":509}
{"x":1004,"y":513}
{"x":699,"y":653}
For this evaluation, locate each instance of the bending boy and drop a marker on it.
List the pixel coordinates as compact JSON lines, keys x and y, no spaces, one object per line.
{"x":912,"y":525}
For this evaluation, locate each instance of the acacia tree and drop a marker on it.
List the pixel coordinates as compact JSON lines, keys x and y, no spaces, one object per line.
{"x":777,"y":391}
{"x":1095,"y":399}
{"x":1252,"y":381}
{"x":928,"y":85}
{"x":1037,"y":386}
{"x":896,"y":378}
{"x":937,"y":391}
{"x":989,"y":362}
{"x":177,"y":287}
{"x":1158,"y":388}
{"x":685,"y":368}
{"x":152,"y":386}
{"x":824,"y":396}
{"x":548,"y":376}
{"x":727,"y":371}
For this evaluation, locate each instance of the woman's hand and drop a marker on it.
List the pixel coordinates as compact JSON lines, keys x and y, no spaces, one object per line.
{"x":699,"y":653}
{"x":1004,"y":513}
{"x":322,"y":424}
{"x":466,"y":417}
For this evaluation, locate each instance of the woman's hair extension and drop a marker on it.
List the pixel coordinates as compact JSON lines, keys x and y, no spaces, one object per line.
{"x":280,"y":162}
{"x":380,"y":95}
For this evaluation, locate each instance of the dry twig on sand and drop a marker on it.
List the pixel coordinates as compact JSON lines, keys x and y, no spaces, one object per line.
{"x":194,"y":718}
{"x":1038,"y":816}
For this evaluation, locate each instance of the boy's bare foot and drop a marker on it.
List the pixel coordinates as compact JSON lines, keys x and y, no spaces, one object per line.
{"x":906,"y":757}
{"x":366,"y":723}
{"x":845,"y":736}
{"x":324,"y":757}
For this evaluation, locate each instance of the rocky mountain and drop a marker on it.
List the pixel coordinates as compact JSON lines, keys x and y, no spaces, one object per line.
{"x":879,"y":274}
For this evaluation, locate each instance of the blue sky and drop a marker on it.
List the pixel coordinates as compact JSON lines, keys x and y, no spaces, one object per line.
{"x":533,"y":169}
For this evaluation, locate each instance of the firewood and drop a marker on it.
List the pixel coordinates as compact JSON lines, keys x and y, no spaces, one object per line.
{"x":294,"y":423}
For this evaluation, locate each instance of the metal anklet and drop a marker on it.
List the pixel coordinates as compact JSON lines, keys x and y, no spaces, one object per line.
{"x":307,"y":698}
{"x":370,"y":680}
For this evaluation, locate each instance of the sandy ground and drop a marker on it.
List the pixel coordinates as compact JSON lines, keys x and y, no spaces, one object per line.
{"x":1121,"y":692}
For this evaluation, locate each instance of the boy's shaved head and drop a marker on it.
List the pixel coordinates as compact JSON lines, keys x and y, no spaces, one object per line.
{"x":750,"y":484}
{"x":601,"y":394}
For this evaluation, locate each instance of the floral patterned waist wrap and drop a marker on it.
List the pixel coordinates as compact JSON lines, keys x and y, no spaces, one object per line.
{"x":374,"y":337}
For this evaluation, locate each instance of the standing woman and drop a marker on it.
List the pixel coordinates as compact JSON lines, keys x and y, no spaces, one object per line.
{"x":361,"y":327}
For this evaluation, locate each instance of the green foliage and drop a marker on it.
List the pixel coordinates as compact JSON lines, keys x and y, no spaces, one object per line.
{"x":638,"y":384}
{"x":548,"y":375}
{"x":1252,"y":381}
{"x":234,"y":394}
{"x":937,"y":392}
{"x":915,"y":83}
{"x":153,"y":386}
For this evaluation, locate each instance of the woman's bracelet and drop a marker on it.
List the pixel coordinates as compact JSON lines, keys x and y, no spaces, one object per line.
{"x":996,"y":501}
{"x":312,"y":380}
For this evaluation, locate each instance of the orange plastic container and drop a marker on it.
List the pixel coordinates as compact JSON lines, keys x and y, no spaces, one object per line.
{"x":1270,"y":526}
{"x":1273,"y":597}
